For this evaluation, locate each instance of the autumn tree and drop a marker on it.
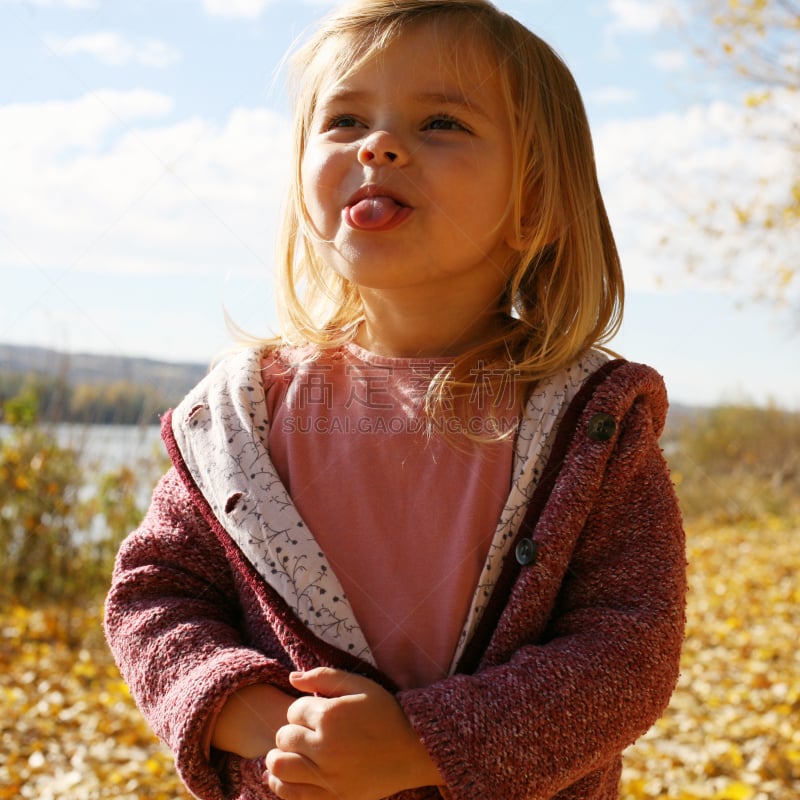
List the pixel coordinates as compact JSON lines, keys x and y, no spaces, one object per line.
{"x":754,"y":45}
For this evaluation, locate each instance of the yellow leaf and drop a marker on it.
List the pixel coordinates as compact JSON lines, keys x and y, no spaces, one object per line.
{"x":635,"y":788}
{"x":153,"y":767}
{"x":735,"y":791}
{"x":735,"y":757}
{"x":84,"y":670}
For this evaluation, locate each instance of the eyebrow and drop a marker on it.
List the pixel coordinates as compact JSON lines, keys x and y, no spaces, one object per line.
{"x":454,"y":99}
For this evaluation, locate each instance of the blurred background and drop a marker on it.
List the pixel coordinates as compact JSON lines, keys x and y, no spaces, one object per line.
{"x":143,"y":163}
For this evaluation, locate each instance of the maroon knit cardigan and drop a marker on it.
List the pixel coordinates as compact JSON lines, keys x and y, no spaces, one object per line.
{"x":577,"y":655}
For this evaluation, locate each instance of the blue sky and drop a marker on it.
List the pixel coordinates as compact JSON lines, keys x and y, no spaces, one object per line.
{"x":143,"y":159}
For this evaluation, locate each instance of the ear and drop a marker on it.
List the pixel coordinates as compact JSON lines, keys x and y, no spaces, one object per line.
{"x":531,"y":234}
{"x":521,"y":233}
{"x":518,"y":240}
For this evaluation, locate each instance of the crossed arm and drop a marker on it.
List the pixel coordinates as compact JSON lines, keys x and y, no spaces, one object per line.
{"x":346,"y":737}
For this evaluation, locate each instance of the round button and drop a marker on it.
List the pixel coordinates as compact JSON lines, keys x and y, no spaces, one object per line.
{"x":526,"y":552}
{"x":602,"y":427}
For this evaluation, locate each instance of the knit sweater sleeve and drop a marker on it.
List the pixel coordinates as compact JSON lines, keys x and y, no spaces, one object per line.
{"x":558,"y":708}
{"x":173,"y":624}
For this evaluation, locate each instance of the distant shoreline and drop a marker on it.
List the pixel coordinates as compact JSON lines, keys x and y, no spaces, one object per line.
{"x":163,"y":384}
{"x":86,"y":389}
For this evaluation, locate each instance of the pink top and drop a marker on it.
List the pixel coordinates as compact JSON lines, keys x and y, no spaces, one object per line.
{"x":348,"y":439}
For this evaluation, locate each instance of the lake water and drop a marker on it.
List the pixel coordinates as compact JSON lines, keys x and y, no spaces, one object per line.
{"x":106,"y":447}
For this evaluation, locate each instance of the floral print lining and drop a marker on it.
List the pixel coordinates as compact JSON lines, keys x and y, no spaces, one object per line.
{"x":221,"y":428}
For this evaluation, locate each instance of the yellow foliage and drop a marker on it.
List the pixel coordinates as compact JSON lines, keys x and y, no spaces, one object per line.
{"x":735,"y":791}
{"x":785,"y":276}
{"x":742,"y":215}
{"x":70,"y":729}
{"x":69,"y":726}
{"x":731,"y":731}
{"x":737,"y":463}
{"x":756,"y":99}
{"x":754,"y":45}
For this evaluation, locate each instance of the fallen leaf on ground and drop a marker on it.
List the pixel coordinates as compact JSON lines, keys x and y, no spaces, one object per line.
{"x":69,"y":729}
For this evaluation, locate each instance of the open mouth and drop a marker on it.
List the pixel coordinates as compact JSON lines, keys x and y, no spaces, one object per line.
{"x":375,"y":209}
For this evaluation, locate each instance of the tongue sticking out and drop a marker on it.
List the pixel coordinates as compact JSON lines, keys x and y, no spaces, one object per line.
{"x":374,"y":212}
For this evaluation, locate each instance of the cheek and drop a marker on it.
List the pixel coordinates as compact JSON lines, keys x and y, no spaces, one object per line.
{"x":321,"y":176}
{"x":498,"y":205}
{"x":310,"y":184}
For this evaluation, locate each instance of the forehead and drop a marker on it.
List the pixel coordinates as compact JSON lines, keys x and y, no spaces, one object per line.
{"x":450,"y":52}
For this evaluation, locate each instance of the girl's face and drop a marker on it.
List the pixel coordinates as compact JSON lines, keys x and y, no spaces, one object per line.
{"x":407,"y":170}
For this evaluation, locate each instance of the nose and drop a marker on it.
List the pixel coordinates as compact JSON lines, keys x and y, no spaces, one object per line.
{"x":381,"y":148}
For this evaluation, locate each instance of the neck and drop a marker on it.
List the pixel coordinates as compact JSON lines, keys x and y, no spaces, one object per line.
{"x":415,"y":330}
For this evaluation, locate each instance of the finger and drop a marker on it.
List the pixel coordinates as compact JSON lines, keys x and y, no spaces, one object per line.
{"x":329,"y":682}
{"x":292,"y":768}
{"x":294,"y":777}
{"x":307,"y":711}
{"x":298,"y":739}
{"x":298,"y":791}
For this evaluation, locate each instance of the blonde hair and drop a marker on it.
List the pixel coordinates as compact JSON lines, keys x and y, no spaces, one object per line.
{"x":565,"y":294}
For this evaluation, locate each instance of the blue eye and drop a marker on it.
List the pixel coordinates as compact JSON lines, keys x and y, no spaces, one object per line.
{"x":342,"y":121}
{"x":444,"y":122}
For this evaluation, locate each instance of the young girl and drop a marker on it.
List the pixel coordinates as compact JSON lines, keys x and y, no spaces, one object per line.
{"x":425,"y":545}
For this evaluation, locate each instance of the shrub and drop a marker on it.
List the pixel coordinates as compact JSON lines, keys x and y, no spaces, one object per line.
{"x":39,"y":497}
{"x":59,"y":528}
{"x":737,"y":463}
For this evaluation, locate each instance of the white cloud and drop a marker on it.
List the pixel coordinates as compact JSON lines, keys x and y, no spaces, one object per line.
{"x":613,"y":95}
{"x":98,"y":184}
{"x":671,"y":60}
{"x":31,"y":132}
{"x":247,"y":9}
{"x":114,"y":50}
{"x":660,"y":173}
{"x":640,"y":16}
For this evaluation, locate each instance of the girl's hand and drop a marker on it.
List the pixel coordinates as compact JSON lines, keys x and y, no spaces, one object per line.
{"x":346,"y":739}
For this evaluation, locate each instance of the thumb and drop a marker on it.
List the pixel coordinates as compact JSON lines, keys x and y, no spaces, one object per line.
{"x":329,"y":682}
